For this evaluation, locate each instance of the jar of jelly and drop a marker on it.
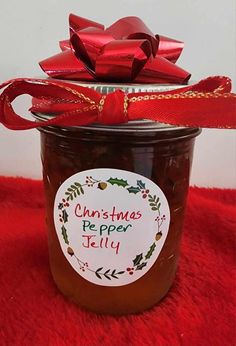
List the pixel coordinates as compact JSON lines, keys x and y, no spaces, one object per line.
{"x":115,"y":201}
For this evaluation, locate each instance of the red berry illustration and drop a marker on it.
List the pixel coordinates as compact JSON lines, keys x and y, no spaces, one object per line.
{"x":130,"y":270}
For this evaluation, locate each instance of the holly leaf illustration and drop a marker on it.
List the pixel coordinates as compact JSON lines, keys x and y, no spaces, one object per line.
{"x":140,"y":184}
{"x":119,"y":182}
{"x":150,"y":251}
{"x":60,"y":206}
{"x":138,"y":259}
{"x":133,"y":189}
{"x":64,"y":216}
{"x":141,"y":266}
{"x":64,"y":233}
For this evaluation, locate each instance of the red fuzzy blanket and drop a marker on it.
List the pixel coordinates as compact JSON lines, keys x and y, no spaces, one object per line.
{"x":199,"y":310}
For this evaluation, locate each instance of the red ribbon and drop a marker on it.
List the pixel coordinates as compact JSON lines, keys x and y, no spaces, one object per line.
{"x":124,"y":52}
{"x":208,"y":103}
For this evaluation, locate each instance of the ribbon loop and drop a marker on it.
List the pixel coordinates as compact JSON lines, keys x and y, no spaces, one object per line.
{"x":87,"y":44}
{"x":78,"y":23}
{"x":133,"y":28}
{"x":115,"y":53}
{"x":169,"y":48}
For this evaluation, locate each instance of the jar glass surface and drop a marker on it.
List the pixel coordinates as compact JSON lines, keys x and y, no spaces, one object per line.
{"x":163,"y":155}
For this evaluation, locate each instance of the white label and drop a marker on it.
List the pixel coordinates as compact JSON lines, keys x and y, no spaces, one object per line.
{"x":111,"y":224}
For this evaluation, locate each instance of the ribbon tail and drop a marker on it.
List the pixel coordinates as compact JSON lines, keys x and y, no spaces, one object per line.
{"x":218,"y":112}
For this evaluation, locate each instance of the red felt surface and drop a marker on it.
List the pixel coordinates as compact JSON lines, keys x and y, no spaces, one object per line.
{"x":199,"y":310}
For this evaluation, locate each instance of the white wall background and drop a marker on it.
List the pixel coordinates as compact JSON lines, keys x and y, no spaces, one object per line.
{"x":30,"y":31}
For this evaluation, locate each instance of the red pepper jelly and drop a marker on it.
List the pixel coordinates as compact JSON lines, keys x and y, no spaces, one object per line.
{"x":115,"y":200}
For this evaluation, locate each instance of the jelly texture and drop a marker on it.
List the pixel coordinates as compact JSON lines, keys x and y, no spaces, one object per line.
{"x":165,"y":157}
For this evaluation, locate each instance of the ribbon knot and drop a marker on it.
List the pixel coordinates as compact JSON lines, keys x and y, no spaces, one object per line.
{"x":112,"y":108}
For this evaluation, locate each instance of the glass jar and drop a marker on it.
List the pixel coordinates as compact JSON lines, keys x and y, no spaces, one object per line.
{"x":154,"y":157}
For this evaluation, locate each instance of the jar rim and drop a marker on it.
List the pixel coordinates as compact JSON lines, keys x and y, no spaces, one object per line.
{"x":105,"y":88}
{"x":143,"y":125}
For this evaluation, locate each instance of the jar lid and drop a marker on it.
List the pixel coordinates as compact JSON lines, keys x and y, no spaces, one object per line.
{"x":106,"y":88}
{"x":133,"y":125}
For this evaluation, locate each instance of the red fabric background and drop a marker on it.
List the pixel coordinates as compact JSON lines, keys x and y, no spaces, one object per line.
{"x":199,"y":310}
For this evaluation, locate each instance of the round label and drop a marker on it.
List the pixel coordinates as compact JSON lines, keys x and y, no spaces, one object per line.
{"x":111,"y":224}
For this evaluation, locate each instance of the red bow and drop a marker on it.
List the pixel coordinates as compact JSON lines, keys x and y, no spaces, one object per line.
{"x":124,"y":52}
{"x":208,"y":103}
